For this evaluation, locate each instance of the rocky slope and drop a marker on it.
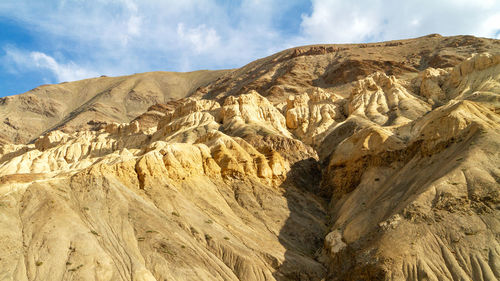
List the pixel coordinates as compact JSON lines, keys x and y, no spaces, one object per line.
{"x":311,"y":164}
{"x":83,"y":104}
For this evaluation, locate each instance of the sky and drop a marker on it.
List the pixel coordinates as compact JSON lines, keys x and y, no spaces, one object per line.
{"x":53,"y":41}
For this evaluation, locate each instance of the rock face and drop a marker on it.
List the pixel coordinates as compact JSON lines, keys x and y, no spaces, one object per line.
{"x":385,"y":170}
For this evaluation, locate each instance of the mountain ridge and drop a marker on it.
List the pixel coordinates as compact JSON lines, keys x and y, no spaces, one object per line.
{"x":357,"y":63}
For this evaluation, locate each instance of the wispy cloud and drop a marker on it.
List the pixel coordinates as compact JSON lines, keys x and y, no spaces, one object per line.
{"x":199,"y":38}
{"x":125,"y":36}
{"x":20,"y":60}
{"x":339,"y":21}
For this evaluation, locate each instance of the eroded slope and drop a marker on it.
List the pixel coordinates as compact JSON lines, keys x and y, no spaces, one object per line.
{"x":80,"y":105}
{"x":393,"y":177}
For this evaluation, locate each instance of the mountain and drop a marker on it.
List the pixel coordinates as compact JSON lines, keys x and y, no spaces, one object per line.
{"x":329,"y":162}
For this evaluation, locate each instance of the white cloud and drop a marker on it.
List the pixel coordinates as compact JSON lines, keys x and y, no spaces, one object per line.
{"x":339,"y":21}
{"x":490,"y":27}
{"x":377,"y":20}
{"x":200,"y":38}
{"x":22,"y":60}
{"x":112,"y":32}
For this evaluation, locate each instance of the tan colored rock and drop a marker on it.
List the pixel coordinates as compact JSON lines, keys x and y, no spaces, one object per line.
{"x":431,"y":82}
{"x":187,"y":128}
{"x":477,"y":62}
{"x":185,"y":160}
{"x":343,"y":167}
{"x":78,"y":105}
{"x":237,"y":159}
{"x":50,"y":140}
{"x":429,"y":173}
{"x":477,"y":79}
{"x":383,"y":100}
{"x":189,"y":106}
{"x":252,"y":111}
{"x":311,"y":114}
{"x":122,"y":129}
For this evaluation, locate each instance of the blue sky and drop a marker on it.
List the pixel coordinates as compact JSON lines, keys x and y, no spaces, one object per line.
{"x":53,"y":41}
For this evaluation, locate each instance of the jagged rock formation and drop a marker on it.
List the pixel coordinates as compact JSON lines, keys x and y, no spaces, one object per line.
{"x":378,"y":177}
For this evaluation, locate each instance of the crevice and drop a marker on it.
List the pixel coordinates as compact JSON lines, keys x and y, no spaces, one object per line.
{"x":303,"y":232}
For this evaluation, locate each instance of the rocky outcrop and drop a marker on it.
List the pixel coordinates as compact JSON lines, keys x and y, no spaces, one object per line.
{"x":311,"y":114}
{"x":133,"y":177}
{"x":431,"y":83}
{"x":383,"y":100}
{"x":251,"y":113}
{"x":417,"y":184}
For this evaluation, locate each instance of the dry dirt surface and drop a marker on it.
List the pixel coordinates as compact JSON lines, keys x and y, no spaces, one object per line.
{"x":334,"y":162}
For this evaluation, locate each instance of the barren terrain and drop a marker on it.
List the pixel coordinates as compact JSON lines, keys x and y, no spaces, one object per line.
{"x":372,"y":161}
